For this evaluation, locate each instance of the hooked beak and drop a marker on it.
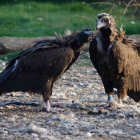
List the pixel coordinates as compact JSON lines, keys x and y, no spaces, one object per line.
{"x":90,"y":33}
{"x":100,"y":25}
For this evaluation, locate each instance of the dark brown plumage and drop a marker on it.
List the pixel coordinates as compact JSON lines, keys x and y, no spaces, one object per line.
{"x":116,"y":59}
{"x":37,"y":68}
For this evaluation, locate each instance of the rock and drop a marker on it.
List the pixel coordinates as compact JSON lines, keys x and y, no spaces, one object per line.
{"x":137,"y":126}
{"x":5,"y":132}
{"x":1,"y":131}
{"x":72,"y":131}
{"x":120,"y":115}
{"x":77,"y":105}
{"x":101,"y":110}
{"x":87,"y":135}
{"x":34,"y":135}
{"x":12,"y":119}
{"x":3,"y":64}
{"x":69,"y":130}
{"x":41,"y":130}
{"x":118,"y":132}
{"x":33,"y":128}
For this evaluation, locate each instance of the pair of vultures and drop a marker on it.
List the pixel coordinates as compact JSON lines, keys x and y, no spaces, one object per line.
{"x":115,"y":58}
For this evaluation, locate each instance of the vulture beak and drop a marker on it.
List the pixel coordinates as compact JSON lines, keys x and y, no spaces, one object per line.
{"x":90,"y":34}
{"x":100,"y":25}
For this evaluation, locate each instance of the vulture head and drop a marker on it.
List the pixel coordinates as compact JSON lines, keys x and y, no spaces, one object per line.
{"x":104,"y":21}
{"x":76,"y":39}
{"x":106,"y":26}
{"x":85,"y":36}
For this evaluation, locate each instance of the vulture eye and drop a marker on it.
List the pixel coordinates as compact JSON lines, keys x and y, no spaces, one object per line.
{"x":105,"y":20}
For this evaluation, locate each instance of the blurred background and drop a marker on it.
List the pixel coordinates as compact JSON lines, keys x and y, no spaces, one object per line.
{"x":37,"y":18}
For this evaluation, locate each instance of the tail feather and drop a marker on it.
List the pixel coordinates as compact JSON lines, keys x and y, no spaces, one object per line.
{"x":6,"y":74}
{"x":9,"y":83}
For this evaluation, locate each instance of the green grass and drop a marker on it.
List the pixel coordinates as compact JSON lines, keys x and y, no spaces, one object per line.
{"x":32,"y":18}
{"x":9,"y":56}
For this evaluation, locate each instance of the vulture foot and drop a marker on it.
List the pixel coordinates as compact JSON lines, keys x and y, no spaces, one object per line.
{"x":113,"y":105}
{"x":51,"y":109}
{"x":109,"y":99}
{"x":105,"y":105}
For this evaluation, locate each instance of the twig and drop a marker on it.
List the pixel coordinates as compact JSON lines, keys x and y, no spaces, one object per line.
{"x":128,"y":5}
{"x":111,"y":9}
{"x":102,"y":3}
{"x":137,"y":3}
{"x":132,"y":5}
{"x":114,"y":5}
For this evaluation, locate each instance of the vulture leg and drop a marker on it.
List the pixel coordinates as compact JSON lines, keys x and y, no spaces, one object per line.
{"x":49,"y":108}
{"x":46,"y":96}
{"x":122,"y":90}
{"x":109,"y":91}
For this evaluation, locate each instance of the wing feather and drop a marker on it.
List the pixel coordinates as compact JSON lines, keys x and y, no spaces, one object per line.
{"x":35,"y":68}
{"x":93,"y":53}
{"x":129,"y":63}
{"x":49,"y":44}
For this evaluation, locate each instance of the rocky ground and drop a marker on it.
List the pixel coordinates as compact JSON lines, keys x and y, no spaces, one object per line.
{"x":23,"y":115}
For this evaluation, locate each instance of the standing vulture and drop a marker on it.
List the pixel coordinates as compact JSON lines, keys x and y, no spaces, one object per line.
{"x":37,"y":68}
{"x":116,"y":59}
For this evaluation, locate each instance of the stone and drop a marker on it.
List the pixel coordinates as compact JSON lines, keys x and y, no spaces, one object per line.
{"x":87,"y":135}
{"x":33,"y":128}
{"x":34,"y":135}
{"x":118,"y":132}
{"x":120,"y":115}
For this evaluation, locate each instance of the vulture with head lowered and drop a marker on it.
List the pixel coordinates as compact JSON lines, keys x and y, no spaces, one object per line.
{"x":116,"y":59}
{"x":37,"y":68}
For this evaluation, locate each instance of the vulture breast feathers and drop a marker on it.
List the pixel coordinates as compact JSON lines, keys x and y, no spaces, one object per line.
{"x":115,"y":58}
{"x":37,"y":68}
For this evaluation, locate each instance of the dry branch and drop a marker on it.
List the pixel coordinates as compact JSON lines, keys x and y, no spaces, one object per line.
{"x":111,"y":9}
{"x":132,"y":5}
{"x":108,"y":3}
{"x":103,"y":3}
{"x":127,"y":6}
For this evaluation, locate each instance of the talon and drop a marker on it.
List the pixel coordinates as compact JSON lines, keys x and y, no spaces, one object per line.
{"x":114,"y":105}
{"x":105,"y":105}
{"x":51,"y":109}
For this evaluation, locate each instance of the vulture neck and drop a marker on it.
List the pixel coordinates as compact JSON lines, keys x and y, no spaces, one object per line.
{"x":75,"y":46}
{"x":105,"y":37}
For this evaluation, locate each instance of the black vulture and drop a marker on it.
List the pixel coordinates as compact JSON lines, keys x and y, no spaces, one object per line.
{"x":116,"y":59}
{"x":37,"y":68}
